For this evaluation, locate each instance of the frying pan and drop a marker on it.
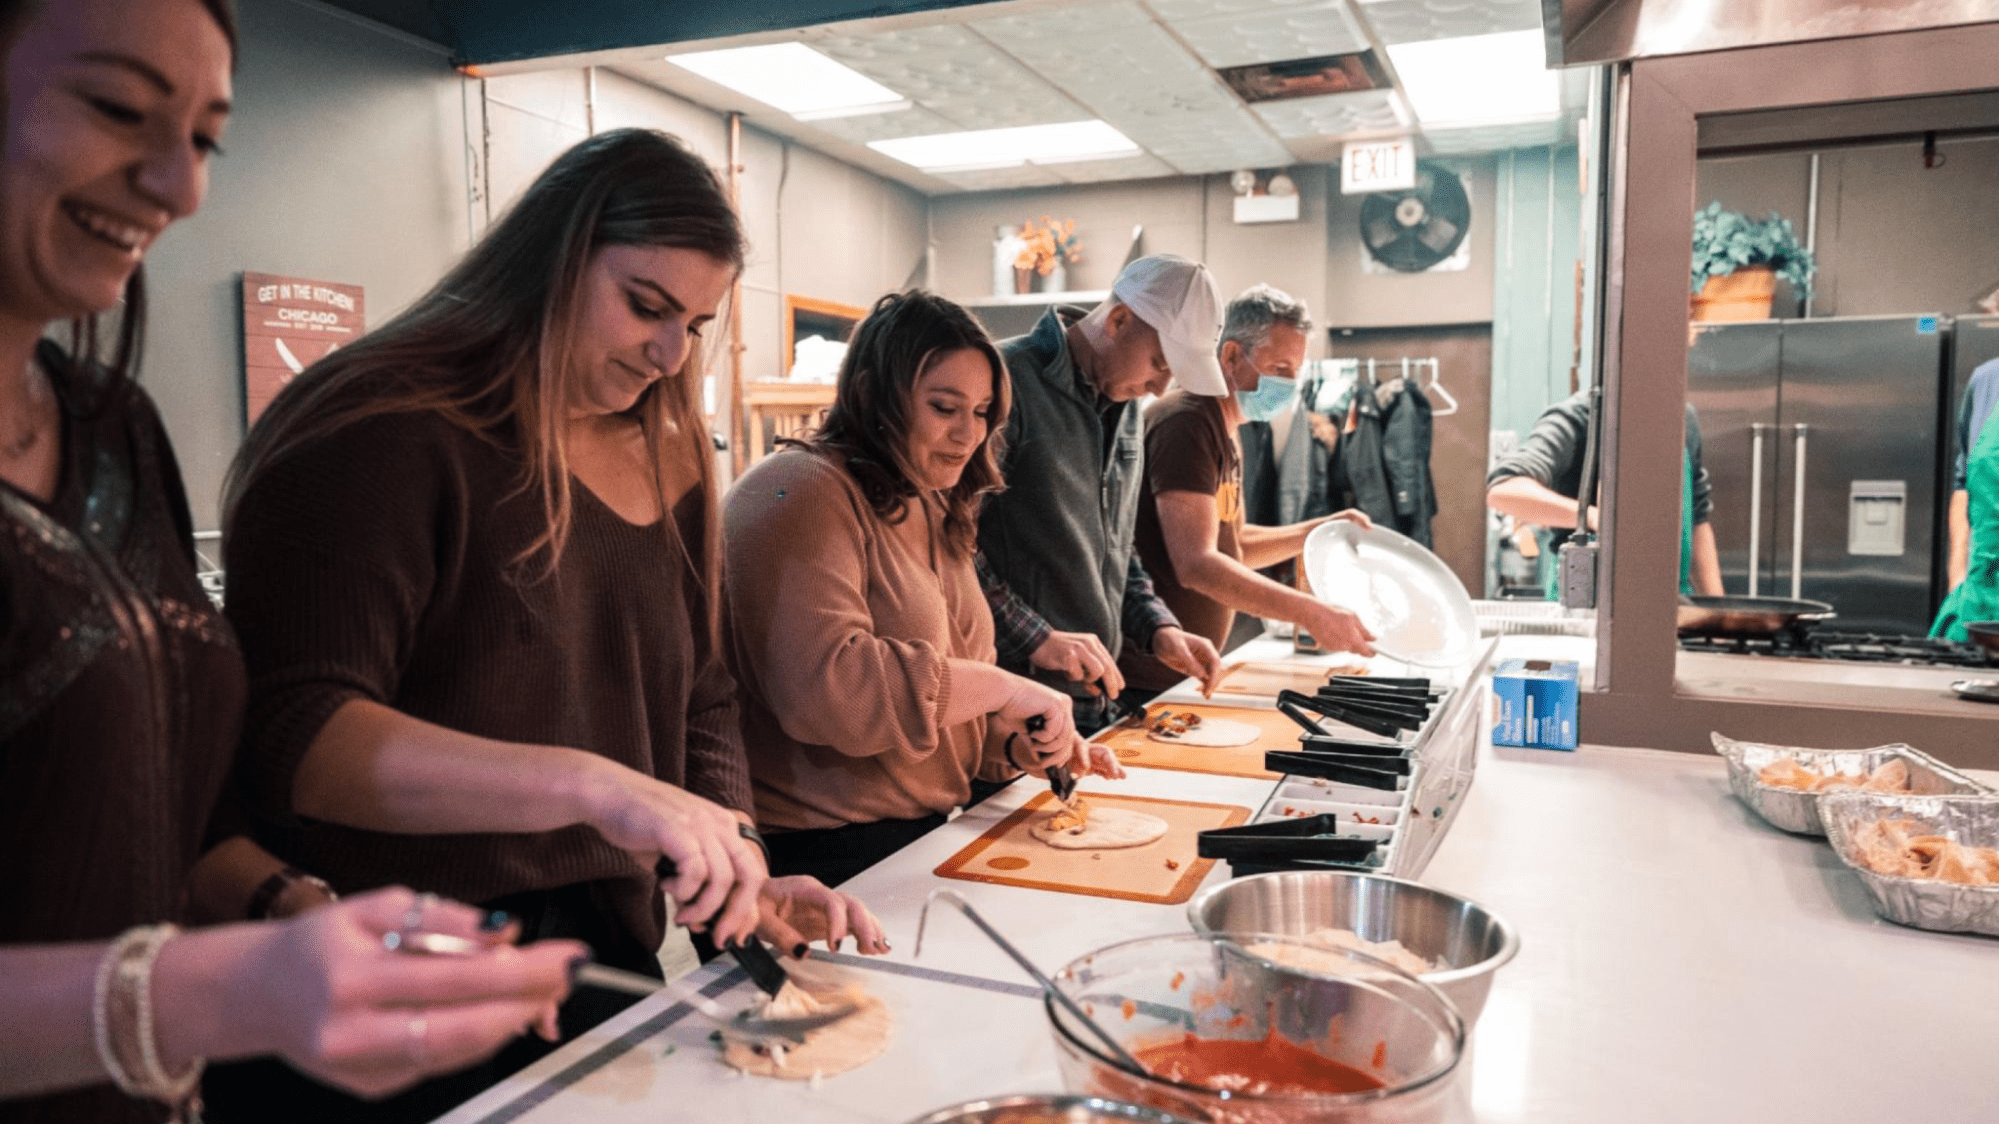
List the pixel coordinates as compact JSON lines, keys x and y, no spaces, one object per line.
{"x":1746,"y":617}
{"x":1984,"y":634}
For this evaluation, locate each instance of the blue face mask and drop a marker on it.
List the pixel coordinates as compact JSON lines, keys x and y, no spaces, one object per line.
{"x":1268,"y":399}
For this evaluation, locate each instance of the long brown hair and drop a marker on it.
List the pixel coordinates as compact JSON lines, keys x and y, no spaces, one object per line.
{"x":101,"y":380}
{"x":489,"y":346}
{"x":868,"y":425}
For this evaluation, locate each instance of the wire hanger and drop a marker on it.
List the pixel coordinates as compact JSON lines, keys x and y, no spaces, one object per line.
{"x":1437,"y":387}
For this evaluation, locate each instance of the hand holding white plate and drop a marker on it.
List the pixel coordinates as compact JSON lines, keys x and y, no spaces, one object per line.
{"x":1416,"y":608}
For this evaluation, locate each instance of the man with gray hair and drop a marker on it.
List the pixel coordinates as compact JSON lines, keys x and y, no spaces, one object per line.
{"x":1190,"y":534}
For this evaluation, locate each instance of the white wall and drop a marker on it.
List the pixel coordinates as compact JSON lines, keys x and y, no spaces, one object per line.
{"x":346,"y":162}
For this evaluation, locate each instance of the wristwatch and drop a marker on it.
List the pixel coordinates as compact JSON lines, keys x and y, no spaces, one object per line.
{"x":268,"y":892}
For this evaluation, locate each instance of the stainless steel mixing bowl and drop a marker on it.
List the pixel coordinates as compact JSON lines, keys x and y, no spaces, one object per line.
{"x":1045,"y":1107}
{"x":1442,"y":928}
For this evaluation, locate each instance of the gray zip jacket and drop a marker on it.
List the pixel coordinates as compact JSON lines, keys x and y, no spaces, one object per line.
{"x":1057,"y":544}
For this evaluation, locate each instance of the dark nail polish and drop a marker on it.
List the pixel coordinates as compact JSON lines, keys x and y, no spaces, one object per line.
{"x":800,"y":950}
{"x":576,"y":964}
{"x":494,"y":922}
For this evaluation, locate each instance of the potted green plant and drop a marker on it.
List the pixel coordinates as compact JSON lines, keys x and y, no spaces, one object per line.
{"x":1738,"y":261}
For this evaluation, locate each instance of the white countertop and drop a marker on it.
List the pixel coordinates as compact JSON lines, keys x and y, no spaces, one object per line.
{"x":1680,"y":960}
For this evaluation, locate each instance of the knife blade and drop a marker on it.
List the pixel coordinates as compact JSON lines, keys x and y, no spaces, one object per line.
{"x":757,"y":961}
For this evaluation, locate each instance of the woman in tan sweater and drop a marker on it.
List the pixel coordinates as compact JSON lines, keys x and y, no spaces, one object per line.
{"x":863,"y":643}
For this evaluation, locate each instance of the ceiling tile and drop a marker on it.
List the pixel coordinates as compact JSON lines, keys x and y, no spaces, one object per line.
{"x":1413,"y":21}
{"x":1142,"y":82}
{"x":864,"y":127}
{"x":996,"y":179}
{"x":1139,"y":167}
{"x":1491,"y":138}
{"x":1180,"y":11}
{"x":953,"y":73}
{"x":1368,"y":111}
{"x":1237,"y":39}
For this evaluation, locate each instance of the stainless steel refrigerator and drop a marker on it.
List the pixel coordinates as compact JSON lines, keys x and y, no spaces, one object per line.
{"x":1826,"y":441}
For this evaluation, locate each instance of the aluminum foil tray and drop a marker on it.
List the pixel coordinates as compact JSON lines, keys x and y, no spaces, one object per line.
{"x":1928,"y":904}
{"x":1795,"y":810}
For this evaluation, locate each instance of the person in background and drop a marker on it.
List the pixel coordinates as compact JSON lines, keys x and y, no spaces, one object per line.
{"x":1538,"y":481}
{"x":473,"y":561}
{"x":1066,"y":587}
{"x":1974,"y":512}
{"x":121,"y":688}
{"x":863,"y":641}
{"x":1191,"y":535}
{"x":1981,"y":392}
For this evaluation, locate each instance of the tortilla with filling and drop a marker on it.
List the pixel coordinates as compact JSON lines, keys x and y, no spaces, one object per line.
{"x":833,"y":1049}
{"x":1081,"y":827}
{"x":1210,"y":732}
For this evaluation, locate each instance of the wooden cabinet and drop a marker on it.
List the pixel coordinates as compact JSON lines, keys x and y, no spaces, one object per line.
{"x":781,"y":409}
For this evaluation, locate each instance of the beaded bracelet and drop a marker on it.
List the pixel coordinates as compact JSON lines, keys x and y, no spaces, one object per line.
{"x":122,"y":1019}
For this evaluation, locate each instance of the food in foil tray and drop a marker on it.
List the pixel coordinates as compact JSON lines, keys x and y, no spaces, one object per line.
{"x":1907,"y":848}
{"x":1785,"y":773}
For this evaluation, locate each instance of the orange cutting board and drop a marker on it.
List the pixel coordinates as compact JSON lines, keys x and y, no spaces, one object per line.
{"x":1135,"y":747}
{"x":1253,"y":677}
{"x":1008,"y":855}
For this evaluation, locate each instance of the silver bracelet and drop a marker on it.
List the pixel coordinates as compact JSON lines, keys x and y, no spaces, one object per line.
{"x":122,"y":1019}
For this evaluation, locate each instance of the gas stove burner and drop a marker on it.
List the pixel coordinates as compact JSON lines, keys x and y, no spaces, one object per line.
{"x":1806,"y":642}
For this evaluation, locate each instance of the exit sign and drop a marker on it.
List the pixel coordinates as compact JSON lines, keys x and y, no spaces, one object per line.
{"x":1377,"y":166}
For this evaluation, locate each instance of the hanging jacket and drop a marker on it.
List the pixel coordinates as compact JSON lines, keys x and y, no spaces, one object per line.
{"x":1405,"y":447}
{"x":1359,"y":473}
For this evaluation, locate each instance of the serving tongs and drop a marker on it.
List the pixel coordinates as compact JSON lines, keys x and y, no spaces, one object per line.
{"x":1374,"y":720}
{"x":1048,"y":988}
{"x":753,"y":1029}
{"x":1333,"y":767}
{"x":1306,"y":837}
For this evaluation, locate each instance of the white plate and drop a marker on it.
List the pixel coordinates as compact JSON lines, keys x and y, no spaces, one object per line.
{"x":1416,"y":608}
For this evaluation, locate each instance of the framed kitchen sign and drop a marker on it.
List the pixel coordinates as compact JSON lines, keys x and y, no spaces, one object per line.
{"x":290,"y":323}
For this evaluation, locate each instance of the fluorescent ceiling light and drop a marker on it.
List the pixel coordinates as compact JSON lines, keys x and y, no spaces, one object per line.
{"x":1478,"y":80}
{"x":1006,"y":148}
{"x":794,"y":78}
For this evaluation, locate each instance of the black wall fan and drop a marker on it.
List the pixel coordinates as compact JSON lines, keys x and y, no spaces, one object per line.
{"x":1415,"y":228}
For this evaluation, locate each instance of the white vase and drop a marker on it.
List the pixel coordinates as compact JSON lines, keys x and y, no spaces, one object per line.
{"x":1007,"y":245}
{"x":1057,"y":280}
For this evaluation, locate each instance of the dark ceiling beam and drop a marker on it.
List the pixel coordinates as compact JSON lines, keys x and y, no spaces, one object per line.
{"x":498,"y":31}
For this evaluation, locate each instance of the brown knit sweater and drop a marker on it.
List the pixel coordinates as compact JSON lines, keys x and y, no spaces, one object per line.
{"x":842,"y":636}
{"x":376,"y":566}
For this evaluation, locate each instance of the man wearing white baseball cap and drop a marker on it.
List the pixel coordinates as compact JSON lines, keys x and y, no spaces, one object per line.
{"x":1066,"y":588}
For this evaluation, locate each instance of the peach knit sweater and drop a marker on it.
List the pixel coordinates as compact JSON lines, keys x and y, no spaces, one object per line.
{"x":841,"y":635}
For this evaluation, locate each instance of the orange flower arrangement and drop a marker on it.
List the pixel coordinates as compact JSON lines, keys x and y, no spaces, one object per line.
{"x":1047,"y":243}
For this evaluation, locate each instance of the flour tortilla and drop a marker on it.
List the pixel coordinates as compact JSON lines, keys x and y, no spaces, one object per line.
{"x":1212,"y":732}
{"x":833,"y":1049}
{"x":1106,"y":828}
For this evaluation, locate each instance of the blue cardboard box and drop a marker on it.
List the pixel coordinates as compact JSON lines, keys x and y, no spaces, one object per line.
{"x":1534,"y":704}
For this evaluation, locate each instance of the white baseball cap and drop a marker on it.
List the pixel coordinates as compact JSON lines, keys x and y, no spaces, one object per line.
{"x":1177,"y":297}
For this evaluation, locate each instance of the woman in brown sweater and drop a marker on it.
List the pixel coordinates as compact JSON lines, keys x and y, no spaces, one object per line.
{"x":472,"y":562}
{"x":863,"y":642}
{"x":121,"y":687}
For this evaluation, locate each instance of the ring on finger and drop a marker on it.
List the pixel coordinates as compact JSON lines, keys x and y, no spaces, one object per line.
{"x":419,"y":1034}
{"x":413,"y":917}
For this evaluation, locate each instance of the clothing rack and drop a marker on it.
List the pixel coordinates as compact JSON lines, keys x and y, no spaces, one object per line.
{"x":1412,"y":369}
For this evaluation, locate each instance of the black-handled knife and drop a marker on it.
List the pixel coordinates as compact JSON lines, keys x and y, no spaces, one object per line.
{"x":757,"y":961}
{"x":1061,"y":779}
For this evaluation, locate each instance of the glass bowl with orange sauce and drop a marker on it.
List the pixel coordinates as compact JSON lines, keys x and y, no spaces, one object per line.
{"x":1226,"y":1032}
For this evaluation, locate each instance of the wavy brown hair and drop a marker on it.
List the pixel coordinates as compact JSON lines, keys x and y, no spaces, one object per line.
{"x":869,"y":423}
{"x":489,"y":346}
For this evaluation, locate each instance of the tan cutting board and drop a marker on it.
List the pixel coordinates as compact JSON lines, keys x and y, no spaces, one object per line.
{"x":1008,"y":855}
{"x":1134,"y":747}
{"x":1253,"y":677}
